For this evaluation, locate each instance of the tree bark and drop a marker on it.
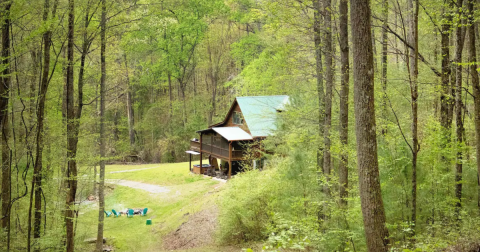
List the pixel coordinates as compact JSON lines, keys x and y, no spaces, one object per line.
{"x":213,"y":75}
{"x":344,"y":58}
{"x":42,"y":92}
{"x":328,"y":50}
{"x":35,"y":55}
{"x":101,"y":196}
{"x":4,"y":99}
{"x":71,"y":177}
{"x":445,"y":98}
{"x":384,"y":62}
{"x":73,"y":129}
{"x":319,"y":79}
{"x":460,"y":35}
{"x":170,"y":95}
{"x":131,"y":120}
{"x":367,"y":159}
{"x":413,"y":68}
{"x":476,"y":89}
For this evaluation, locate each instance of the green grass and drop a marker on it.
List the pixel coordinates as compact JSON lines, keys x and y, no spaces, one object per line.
{"x":158,"y":174}
{"x":167,"y":211}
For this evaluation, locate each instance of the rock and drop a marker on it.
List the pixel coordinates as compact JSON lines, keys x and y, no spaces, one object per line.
{"x":107,"y":248}
{"x":94,"y":240}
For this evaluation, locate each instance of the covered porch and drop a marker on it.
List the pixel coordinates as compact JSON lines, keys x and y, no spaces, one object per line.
{"x":224,"y":143}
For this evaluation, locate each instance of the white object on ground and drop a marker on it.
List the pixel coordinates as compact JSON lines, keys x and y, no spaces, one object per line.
{"x":215,"y":178}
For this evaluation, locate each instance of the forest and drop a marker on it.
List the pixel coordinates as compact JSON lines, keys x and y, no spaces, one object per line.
{"x":378,"y":149}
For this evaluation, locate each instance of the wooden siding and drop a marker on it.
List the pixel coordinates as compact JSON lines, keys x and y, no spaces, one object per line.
{"x":195,"y":146}
{"x":229,"y":122}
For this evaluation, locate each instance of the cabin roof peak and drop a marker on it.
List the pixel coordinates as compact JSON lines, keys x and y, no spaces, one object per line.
{"x":259,"y":112}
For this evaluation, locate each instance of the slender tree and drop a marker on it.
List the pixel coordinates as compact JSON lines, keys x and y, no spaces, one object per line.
{"x":460,"y":37}
{"x":71,"y":177}
{"x":328,"y":50}
{"x":345,"y":68}
{"x":384,"y":60}
{"x":413,"y":77}
{"x":130,"y":117}
{"x":445,"y":97}
{"x":369,"y":178}
{"x":476,"y":87}
{"x":42,"y":93}
{"x":5,"y":83}
{"x":317,"y":6}
{"x":101,"y":196}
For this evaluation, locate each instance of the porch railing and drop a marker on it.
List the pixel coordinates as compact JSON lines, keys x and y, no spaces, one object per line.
{"x":216,"y":150}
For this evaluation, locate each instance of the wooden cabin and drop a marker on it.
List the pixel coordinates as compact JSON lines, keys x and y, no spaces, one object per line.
{"x":249,"y":119}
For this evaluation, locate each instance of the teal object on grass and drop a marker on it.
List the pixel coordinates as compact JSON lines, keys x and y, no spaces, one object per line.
{"x":115,"y":213}
{"x":144,"y":212}
{"x":130,"y":213}
{"x":108,"y":213}
{"x":149,"y":222}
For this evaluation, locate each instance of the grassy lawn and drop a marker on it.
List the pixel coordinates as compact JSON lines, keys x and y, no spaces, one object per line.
{"x":157,"y":174}
{"x":188,"y":194}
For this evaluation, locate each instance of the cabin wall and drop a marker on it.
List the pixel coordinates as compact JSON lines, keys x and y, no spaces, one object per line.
{"x":230,"y":123}
{"x":215,"y":139}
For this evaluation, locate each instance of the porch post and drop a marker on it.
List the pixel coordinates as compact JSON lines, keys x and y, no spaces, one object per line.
{"x":229,"y":160}
{"x":190,"y":164}
{"x":201,"y":152}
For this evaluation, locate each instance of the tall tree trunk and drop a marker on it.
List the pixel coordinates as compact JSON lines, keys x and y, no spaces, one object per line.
{"x":71,"y":177}
{"x":327,"y":42}
{"x":445,"y":98}
{"x":73,"y":129}
{"x":369,"y":178}
{"x":131,"y":120}
{"x":213,"y":74}
{"x":413,"y":35}
{"x":319,"y":72}
{"x":476,"y":88}
{"x":101,"y":196}
{"x":460,"y":34}
{"x":42,"y":92}
{"x":5,"y":93}
{"x":170,"y":94}
{"x":344,"y":58}
{"x":384,"y":62}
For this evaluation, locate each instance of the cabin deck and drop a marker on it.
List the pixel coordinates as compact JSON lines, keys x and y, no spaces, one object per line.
{"x":216,"y":151}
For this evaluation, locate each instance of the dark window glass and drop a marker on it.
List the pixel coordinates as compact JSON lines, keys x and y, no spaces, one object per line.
{"x":237,"y":118}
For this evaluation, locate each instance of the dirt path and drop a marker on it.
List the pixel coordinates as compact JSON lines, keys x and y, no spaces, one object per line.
{"x":197,"y":231}
{"x":139,"y":185}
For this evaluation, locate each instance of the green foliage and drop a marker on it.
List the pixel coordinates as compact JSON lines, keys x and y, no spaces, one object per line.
{"x":247,"y":49}
{"x":245,"y":216}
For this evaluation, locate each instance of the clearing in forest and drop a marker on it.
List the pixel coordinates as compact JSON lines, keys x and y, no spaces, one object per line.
{"x":180,"y":204}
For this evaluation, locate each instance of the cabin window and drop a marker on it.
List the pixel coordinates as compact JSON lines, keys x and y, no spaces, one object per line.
{"x":237,"y":118}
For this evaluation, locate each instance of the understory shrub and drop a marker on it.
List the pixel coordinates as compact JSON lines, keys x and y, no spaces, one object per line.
{"x":245,"y":207}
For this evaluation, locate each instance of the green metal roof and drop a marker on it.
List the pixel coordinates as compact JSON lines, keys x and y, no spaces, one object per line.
{"x":260,"y":112}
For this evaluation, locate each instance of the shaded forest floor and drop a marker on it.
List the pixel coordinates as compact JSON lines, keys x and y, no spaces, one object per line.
{"x":182,"y":207}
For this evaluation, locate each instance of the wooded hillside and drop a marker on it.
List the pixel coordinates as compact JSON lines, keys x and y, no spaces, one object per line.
{"x":379,"y":148}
